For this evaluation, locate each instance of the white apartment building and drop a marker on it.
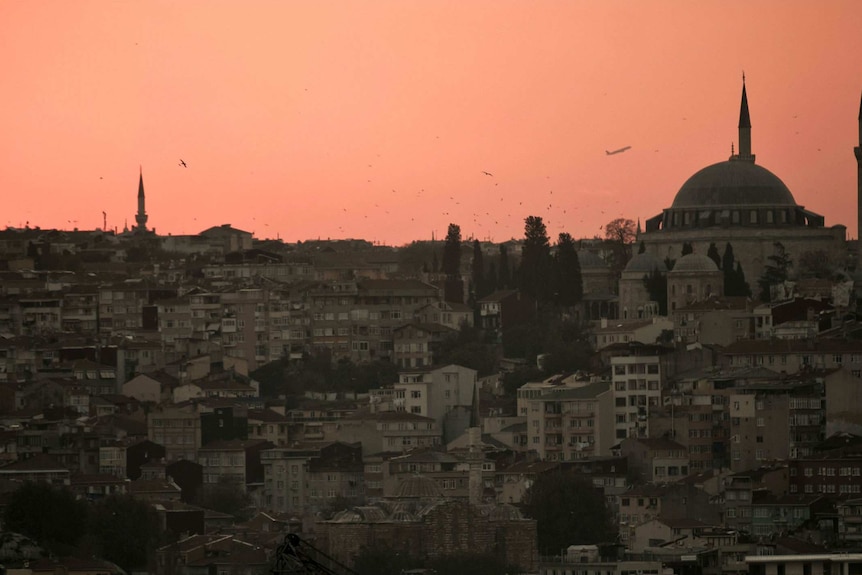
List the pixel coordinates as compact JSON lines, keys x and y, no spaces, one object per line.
{"x":636,"y":384}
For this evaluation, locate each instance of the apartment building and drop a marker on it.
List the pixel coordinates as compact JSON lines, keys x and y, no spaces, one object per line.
{"x":380,"y":307}
{"x":714,"y":321}
{"x":288,"y":471}
{"x":656,"y":459}
{"x":436,"y":392}
{"x":774,"y":421}
{"x":415,"y":344}
{"x":177,"y":428}
{"x":637,"y":381}
{"x":791,"y":356}
{"x":236,"y":460}
{"x":568,"y":423}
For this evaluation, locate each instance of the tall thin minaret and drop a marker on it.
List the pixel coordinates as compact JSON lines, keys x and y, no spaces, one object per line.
{"x":858,"y":151}
{"x":141,"y":216}
{"x":744,"y":128}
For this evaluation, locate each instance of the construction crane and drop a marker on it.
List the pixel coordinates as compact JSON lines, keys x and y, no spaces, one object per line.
{"x":297,"y":556}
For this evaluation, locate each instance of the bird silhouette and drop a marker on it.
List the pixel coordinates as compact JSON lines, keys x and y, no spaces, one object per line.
{"x":182,"y":163}
{"x":487,"y":173}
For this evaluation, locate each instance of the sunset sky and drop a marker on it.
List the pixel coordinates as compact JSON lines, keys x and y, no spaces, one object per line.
{"x":376,"y":119}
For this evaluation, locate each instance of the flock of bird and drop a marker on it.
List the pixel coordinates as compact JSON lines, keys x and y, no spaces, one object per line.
{"x":481,"y":219}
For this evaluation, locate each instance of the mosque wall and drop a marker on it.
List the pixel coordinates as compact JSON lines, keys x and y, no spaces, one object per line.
{"x":751,"y":246}
{"x":445,"y":528}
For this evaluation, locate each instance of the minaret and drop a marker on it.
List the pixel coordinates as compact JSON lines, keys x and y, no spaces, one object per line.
{"x":744,"y":129}
{"x":858,"y":151}
{"x":141,"y":216}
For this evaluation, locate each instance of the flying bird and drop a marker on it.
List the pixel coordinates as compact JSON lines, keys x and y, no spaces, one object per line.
{"x":182,"y":163}
{"x":487,"y":173}
{"x":620,"y":151}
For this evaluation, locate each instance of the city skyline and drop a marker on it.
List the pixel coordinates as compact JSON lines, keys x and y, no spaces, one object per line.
{"x":371,"y":120}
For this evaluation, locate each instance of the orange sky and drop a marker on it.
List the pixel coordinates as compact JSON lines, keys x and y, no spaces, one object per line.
{"x":363,"y":118}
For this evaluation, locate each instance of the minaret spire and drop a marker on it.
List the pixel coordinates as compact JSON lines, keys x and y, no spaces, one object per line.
{"x":858,"y":152}
{"x":744,"y":127}
{"x":474,"y":409}
{"x":141,"y":216}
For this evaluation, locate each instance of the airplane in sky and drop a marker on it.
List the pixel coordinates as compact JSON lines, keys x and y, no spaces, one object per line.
{"x":620,"y":151}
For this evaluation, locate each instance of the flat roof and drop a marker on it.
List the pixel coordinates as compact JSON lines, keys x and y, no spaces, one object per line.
{"x":836,"y":557}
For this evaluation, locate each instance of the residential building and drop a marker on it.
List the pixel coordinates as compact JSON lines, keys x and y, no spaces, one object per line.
{"x":637,"y":381}
{"x":237,"y":461}
{"x":437,"y":392}
{"x":655,"y":459}
{"x":568,"y":423}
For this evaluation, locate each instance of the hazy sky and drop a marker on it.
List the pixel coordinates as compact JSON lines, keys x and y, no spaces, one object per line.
{"x":376,"y":119}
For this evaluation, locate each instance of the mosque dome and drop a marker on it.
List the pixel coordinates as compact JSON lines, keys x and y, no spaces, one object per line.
{"x":733,"y":183}
{"x":645,"y":263}
{"x":694,"y":263}
{"x":418,"y":487}
{"x":402,"y":516}
{"x":362,"y":514}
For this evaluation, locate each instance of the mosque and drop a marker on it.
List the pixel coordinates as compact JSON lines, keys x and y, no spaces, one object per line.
{"x":740,"y":203}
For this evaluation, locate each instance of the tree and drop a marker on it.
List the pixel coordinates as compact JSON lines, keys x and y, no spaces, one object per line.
{"x":621,"y":231}
{"x":491,"y":280}
{"x":641,"y":248}
{"x":687,"y":248}
{"x":565,"y":348}
{"x":465,"y":348}
{"x":776,"y":271}
{"x":734,"y":278}
{"x":504,"y":276}
{"x":124,"y":530}
{"x":568,"y":510}
{"x":815,"y":264}
{"x":478,"y":272}
{"x":453,"y":289}
{"x":49,"y":515}
{"x":270,"y":376}
{"x":712,"y":253}
{"x":534,"y":274}
{"x":741,"y":286}
{"x":525,"y":340}
{"x":452,"y":252}
{"x":568,"y":282}
{"x":655,"y":283}
{"x":622,"y":234}
{"x":513,"y":380}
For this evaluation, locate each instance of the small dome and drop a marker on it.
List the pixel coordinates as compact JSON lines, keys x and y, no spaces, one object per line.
{"x":645,"y":263}
{"x":418,"y":487}
{"x":588,"y":260}
{"x":347,"y":516}
{"x":694,"y":263}
{"x":402,"y":516}
{"x":733,"y":183}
